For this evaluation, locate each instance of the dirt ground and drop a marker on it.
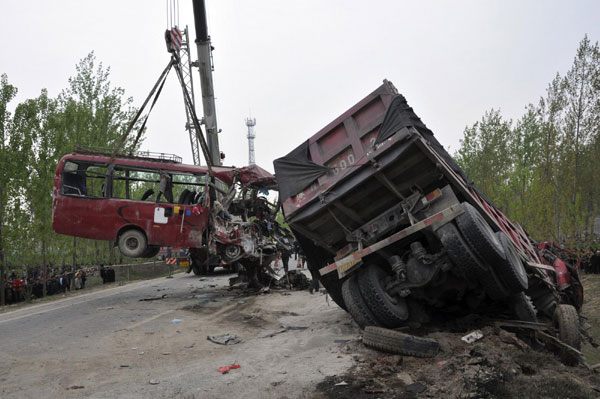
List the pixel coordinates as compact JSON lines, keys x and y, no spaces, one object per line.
{"x":500,"y":365}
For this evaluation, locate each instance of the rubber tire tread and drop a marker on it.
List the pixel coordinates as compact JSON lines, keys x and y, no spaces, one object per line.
{"x":567,"y":318}
{"x":462,"y":256}
{"x":391,"y":341}
{"x":141,"y":237}
{"x":481,"y":239}
{"x":356,"y":304}
{"x":523,"y":308}
{"x":459,"y":252}
{"x":511,"y":272}
{"x":385,"y":311}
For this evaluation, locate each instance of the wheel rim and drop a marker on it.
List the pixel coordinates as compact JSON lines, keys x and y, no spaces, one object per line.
{"x":132,"y":243}
{"x":233,"y":251}
{"x":383,"y":280}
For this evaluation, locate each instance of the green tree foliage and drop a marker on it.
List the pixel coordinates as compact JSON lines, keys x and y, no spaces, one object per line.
{"x":88,"y":113}
{"x":543,"y":170}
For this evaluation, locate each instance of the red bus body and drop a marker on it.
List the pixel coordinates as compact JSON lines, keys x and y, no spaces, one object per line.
{"x":103,"y":217}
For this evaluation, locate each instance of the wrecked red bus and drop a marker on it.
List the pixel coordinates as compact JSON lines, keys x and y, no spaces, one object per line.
{"x":146,"y":202}
{"x":139,"y":203}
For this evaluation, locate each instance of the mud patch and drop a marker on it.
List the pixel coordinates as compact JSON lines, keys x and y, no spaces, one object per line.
{"x":498,"y":366}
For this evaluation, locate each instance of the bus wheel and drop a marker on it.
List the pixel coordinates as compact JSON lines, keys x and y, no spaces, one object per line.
{"x":132,"y":243}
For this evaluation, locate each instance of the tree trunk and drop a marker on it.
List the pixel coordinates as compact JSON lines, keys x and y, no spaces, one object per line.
{"x":74,"y":266}
{"x":111,"y":253}
{"x":44,"y":292}
{"x":2,"y":260}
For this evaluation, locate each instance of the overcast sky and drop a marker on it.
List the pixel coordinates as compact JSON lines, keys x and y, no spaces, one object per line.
{"x":297,"y":65}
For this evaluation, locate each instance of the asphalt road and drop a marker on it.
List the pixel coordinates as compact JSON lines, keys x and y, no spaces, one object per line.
{"x":109,"y":343}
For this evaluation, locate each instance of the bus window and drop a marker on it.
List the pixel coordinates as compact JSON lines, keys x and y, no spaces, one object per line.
{"x":188,"y":188}
{"x":141,"y":185}
{"x":145,"y":185}
{"x":83,"y":179}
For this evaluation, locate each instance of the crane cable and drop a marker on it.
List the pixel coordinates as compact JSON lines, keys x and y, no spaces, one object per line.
{"x":159,"y":83}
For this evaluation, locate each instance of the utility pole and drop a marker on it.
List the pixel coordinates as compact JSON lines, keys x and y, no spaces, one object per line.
{"x":205,"y":66}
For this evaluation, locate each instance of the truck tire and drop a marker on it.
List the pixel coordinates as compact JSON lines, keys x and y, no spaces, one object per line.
{"x":511,"y":272}
{"x":566,"y":320}
{"x":356,"y":304}
{"x":459,"y":252}
{"x":392,"y":341}
{"x":463,"y":257}
{"x":389,"y":311}
{"x":523,"y":308}
{"x":132,"y":243}
{"x":479,"y":235}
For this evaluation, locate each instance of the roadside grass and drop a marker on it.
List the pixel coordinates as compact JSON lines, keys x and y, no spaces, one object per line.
{"x":591,"y":311}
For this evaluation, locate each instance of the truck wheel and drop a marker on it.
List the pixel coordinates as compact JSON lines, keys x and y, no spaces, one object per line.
{"x":356,"y":304}
{"x":479,"y":235}
{"x":523,"y":308}
{"x":196,"y":270}
{"x":464,"y":258}
{"x":392,"y":341}
{"x":511,"y":271}
{"x":459,"y":252}
{"x":390,"y":311}
{"x":566,"y":320}
{"x":132,"y":243}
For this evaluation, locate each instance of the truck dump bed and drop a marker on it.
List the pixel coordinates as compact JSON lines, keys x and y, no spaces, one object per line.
{"x":362,"y":163}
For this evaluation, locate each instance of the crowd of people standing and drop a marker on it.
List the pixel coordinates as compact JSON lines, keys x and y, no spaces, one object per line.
{"x":30,"y":284}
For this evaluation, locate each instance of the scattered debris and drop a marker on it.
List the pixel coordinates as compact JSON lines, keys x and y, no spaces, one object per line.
{"x":75,"y":387}
{"x":294,"y":328}
{"x":416,"y":387}
{"x":341,"y":383}
{"x":405,"y":378}
{"x":226,"y":369}
{"x":224,"y":339}
{"x":124,"y":366}
{"x":141,"y":353}
{"x":285,"y":329}
{"x":340,"y":341}
{"x":107,"y":308}
{"x":176,"y":321}
{"x":373,"y":390}
{"x":155,"y":298}
{"x":166,"y":353}
{"x":189,"y":346}
{"x":154,"y":382}
{"x":472,"y":337}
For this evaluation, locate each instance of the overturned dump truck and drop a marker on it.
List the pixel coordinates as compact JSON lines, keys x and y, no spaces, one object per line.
{"x":398,"y":233}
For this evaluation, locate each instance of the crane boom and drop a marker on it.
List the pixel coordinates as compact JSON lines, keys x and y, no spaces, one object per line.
{"x":206,"y":81}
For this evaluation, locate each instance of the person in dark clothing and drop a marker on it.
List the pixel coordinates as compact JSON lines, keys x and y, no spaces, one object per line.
{"x":285,"y":258}
{"x":110,"y":273}
{"x":595,"y":262}
{"x":83,"y":278}
{"x":314,"y":284}
{"x":103,"y":273}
